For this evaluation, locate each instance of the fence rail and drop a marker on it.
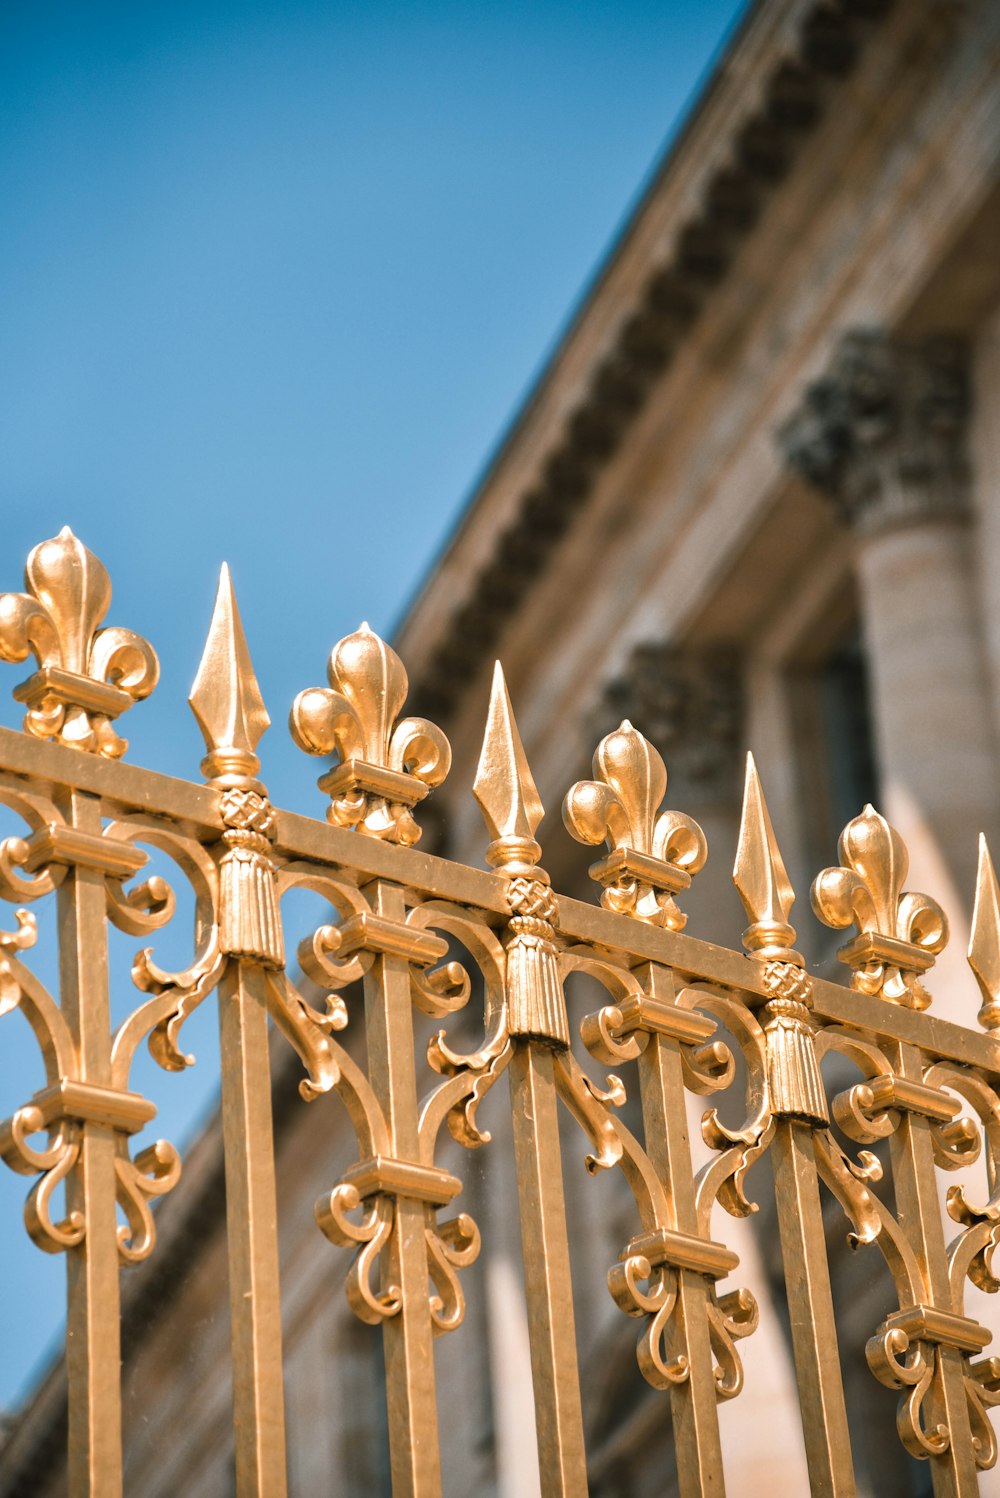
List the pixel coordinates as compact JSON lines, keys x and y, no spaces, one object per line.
{"x":676,"y":1013}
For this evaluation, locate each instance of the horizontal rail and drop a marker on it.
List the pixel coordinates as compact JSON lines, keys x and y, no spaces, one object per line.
{"x":128,"y":787}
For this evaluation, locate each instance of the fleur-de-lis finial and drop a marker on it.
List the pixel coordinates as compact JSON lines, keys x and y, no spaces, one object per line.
{"x":760,"y":876}
{"x":228,"y":705}
{"x":512,"y":810}
{"x":654,"y":854}
{"x":984,"y":939}
{"x":385,"y":767}
{"x":899,"y":933}
{"x":87,"y":676}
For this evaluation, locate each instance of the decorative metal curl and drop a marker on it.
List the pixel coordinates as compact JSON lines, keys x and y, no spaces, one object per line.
{"x":369,"y":1235}
{"x":147,"y":908}
{"x":470,"y":1074}
{"x":17,"y":881}
{"x":154,"y":1171}
{"x":887,"y":1358}
{"x":731,"y":1318}
{"x":451,"y":1246}
{"x":657,"y":1302}
{"x":52,"y":1164}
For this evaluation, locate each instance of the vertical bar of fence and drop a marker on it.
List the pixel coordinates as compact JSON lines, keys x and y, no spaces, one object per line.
{"x":798,"y":1105}
{"x":810,"y":1311}
{"x":918,"y":1210}
{"x":93,"y":1316}
{"x":230,"y":711}
{"x":693,"y":1403}
{"x":548,"y":1285}
{"x":252,"y":1233}
{"x":408,"y":1337}
{"x":538,"y":1025}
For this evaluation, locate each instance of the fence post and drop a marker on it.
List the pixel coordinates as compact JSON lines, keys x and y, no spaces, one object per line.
{"x":408,"y":1336}
{"x":227,"y":703}
{"x":798,"y":1103}
{"x":93,"y":1314}
{"x":537,"y":1023}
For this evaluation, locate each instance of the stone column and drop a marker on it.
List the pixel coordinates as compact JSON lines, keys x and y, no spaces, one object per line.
{"x":883,"y":438}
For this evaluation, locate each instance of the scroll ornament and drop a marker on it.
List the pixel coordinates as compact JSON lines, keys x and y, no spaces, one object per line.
{"x":68,"y":1102}
{"x":645,"y":1282}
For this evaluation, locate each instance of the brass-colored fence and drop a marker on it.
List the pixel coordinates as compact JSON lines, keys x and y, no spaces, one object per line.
{"x":676,"y":1010}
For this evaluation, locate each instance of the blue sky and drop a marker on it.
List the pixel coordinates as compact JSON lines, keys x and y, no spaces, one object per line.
{"x":274,"y":280}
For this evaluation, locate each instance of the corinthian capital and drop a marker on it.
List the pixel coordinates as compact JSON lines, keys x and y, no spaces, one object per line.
{"x":689,"y":705}
{"x":882,"y":434}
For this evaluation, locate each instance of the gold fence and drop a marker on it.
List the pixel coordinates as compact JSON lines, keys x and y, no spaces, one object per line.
{"x":677,"y":1009}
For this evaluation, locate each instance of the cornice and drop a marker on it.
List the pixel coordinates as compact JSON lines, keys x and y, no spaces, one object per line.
{"x":787,"y":101}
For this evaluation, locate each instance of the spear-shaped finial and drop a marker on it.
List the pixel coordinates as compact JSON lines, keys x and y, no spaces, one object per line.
{"x":225,"y":698}
{"x":512,"y":809}
{"x":504,"y":787}
{"x":984,"y":941}
{"x":231,"y":714}
{"x":760,"y":876}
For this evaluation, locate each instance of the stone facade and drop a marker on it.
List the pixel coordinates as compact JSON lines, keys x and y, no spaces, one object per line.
{"x":764,"y":468}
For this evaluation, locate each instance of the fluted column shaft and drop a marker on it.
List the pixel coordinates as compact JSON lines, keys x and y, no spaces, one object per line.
{"x":932,"y":722}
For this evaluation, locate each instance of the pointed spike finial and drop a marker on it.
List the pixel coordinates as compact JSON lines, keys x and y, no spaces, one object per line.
{"x":793,"y":1075}
{"x":512,"y":809}
{"x":760,"y":875}
{"x":226,"y":698}
{"x":984,"y":941}
{"x":504,"y":787}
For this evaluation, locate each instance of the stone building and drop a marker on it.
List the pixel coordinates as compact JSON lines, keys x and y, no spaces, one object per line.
{"x":753,"y":501}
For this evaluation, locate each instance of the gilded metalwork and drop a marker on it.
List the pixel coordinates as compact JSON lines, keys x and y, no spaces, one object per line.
{"x":899,"y":934}
{"x":513,"y":810}
{"x":248,"y":943}
{"x":984,"y":939}
{"x":762,"y":881}
{"x":87,"y":676}
{"x":387,"y":764}
{"x":654,"y":854}
{"x":676,"y":1017}
{"x":230,"y":711}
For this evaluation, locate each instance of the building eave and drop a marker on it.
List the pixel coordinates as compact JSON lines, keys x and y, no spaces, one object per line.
{"x":770,"y":88}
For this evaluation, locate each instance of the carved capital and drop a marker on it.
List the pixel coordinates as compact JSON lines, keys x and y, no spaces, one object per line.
{"x":690,"y":706}
{"x":882,"y":435}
